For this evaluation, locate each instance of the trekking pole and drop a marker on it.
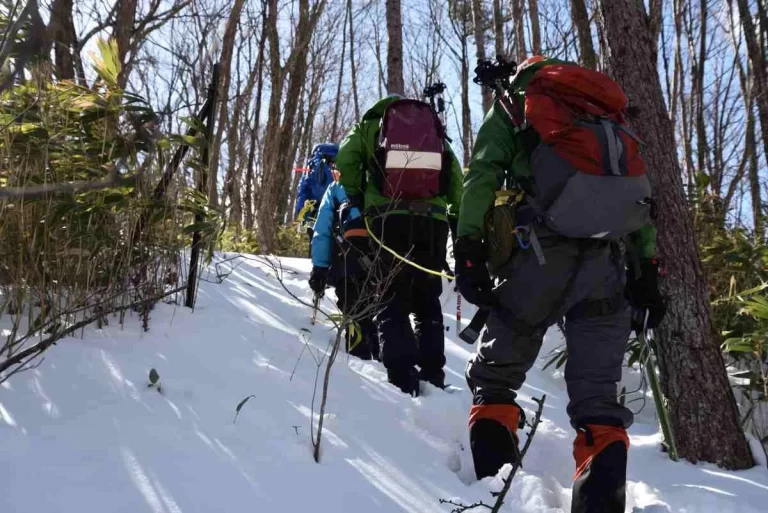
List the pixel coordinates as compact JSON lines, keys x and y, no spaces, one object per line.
{"x":315,"y":304}
{"x":458,"y":312}
{"x":658,"y":399}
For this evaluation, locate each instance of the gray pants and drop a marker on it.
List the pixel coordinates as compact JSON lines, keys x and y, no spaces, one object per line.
{"x":582,"y":280}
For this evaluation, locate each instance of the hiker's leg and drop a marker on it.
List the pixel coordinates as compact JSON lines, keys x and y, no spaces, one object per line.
{"x":398,"y":348}
{"x":531,"y":295}
{"x":428,"y":314}
{"x":428,"y":325}
{"x":355,"y":341}
{"x":597,"y":330}
{"x":310,"y":234}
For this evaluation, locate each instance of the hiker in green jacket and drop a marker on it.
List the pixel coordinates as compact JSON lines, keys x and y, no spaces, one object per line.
{"x":398,"y":166}
{"x":571,"y":169}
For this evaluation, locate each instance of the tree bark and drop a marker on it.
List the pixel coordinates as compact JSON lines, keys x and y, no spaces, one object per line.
{"x":533,"y":12}
{"x":703,"y":411}
{"x":697,"y":70}
{"x":518,"y":18}
{"x":250,"y":172}
{"x":478,"y":18}
{"x":382,"y":81}
{"x":61,"y":32}
{"x":225,"y":67}
{"x":340,"y":79}
{"x":581,"y":20}
{"x":352,"y":62}
{"x":395,"y":82}
{"x":124,"y":22}
{"x":757,"y":58}
{"x":754,"y":176}
{"x":498,"y":27}
{"x":277,"y":162}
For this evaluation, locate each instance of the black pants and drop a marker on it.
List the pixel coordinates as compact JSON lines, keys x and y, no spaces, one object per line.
{"x":412,"y":291}
{"x":354,"y":298}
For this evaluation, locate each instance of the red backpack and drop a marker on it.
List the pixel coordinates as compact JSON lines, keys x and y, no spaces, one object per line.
{"x":588,"y":169}
{"x":411,"y":160}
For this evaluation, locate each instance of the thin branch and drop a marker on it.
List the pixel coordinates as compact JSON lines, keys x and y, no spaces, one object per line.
{"x":23,"y":357}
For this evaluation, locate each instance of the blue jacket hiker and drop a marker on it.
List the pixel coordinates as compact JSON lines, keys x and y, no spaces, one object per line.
{"x":315,"y":181}
{"x":341,"y":258}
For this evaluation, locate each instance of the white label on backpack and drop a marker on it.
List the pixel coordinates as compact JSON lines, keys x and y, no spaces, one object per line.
{"x":414,"y":160}
{"x":599,"y":235}
{"x":400,"y":147}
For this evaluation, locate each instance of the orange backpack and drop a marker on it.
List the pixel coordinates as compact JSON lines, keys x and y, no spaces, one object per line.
{"x":588,"y":168}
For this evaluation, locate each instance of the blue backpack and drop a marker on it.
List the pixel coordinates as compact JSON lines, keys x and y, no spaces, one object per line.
{"x":320,"y":175}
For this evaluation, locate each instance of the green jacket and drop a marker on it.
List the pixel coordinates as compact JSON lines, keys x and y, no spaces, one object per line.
{"x":357,"y":149}
{"x":498,"y":154}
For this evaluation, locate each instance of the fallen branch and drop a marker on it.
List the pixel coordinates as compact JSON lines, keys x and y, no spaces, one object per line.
{"x":33,"y":192}
{"x":23,"y":357}
{"x":501,"y":495}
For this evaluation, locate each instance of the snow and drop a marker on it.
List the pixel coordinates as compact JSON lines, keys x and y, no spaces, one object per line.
{"x":83,"y":432}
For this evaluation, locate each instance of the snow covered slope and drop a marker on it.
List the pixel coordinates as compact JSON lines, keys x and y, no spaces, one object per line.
{"x":83,"y":432}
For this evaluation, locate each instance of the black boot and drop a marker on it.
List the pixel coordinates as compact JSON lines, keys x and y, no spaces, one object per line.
{"x":600,"y":482}
{"x":493,"y":446}
{"x":358,"y":348}
{"x":434,"y":377}
{"x":405,"y":378}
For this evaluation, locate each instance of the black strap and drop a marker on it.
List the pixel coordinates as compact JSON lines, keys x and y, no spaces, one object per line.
{"x":597,"y":307}
{"x":411,"y":206}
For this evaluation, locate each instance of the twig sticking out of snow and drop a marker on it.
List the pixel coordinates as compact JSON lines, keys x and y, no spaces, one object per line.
{"x":501,"y":495}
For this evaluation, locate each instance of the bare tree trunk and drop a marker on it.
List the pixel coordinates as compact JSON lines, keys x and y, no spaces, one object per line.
{"x":518,"y":18}
{"x":124,"y":22}
{"x":498,"y":27}
{"x":697,"y":72}
{"x":691,"y":365}
{"x":466,"y":113}
{"x":581,"y":21}
{"x":280,"y":126}
{"x":379,"y":60}
{"x":754,"y":176}
{"x":340,"y":79}
{"x":61,"y":32}
{"x":225,"y":63}
{"x":533,"y":11}
{"x":250,"y":200}
{"x":478,"y":17}
{"x":395,"y":82}
{"x":352,"y":64}
{"x":757,"y":58}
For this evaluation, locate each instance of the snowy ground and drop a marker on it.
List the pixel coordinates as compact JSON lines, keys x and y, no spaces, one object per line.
{"x":83,"y":433}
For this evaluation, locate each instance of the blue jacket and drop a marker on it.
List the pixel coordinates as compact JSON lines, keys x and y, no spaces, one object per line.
{"x":322,"y":240}
{"x":315,"y":181}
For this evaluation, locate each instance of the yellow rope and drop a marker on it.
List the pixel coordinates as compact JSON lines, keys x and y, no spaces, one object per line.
{"x":402,"y":258}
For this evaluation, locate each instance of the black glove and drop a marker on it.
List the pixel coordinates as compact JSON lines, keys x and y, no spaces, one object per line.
{"x":357,"y":200}
{"x":472,"y":276}
{"x":317,"y":280}
{"x":643,"y":295}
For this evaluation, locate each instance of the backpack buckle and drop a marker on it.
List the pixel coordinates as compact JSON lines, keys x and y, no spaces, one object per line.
{"x":419,"y":208}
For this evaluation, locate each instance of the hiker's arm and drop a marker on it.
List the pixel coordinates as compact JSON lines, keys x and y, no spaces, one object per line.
{"x":492,"y":156}
{"x":349,"y":162}
{"x":321,"y":240}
